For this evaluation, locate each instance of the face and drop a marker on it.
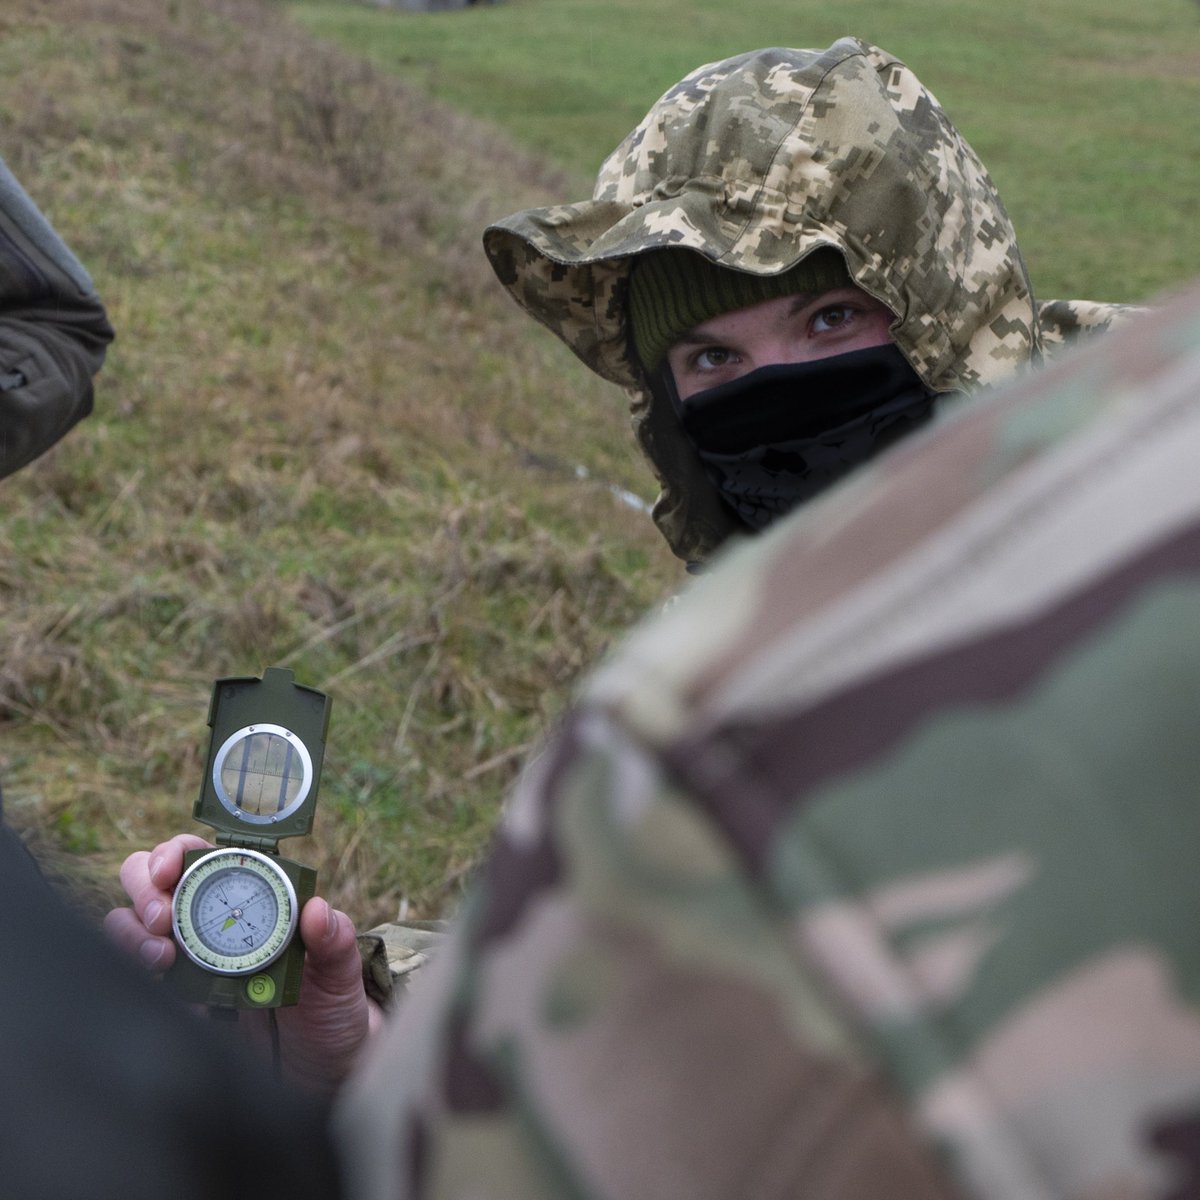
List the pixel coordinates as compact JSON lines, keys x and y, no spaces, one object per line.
{"x":789,"y":329}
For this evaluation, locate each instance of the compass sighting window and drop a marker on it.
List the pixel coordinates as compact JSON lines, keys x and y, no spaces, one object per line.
{"x":262,"y":773}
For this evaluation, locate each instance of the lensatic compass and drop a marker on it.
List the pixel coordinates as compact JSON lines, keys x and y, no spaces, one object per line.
{"x":236,"y":908}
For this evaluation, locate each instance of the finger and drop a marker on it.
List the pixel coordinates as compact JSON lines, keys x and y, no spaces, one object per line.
{"x":125,"y":929}
{"x":333,"y":964}
{"x":151,"y":903}
{"x":325,"y":1032}
{"x":149,"y":878}
{"x":135,"y":874}
{"x":166,"y":860}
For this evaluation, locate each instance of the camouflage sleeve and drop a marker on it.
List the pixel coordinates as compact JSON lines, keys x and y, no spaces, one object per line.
{"x":869,"y":867}
{"x":1063,"y":321}
{"x":579,"y":1034}
{"x":53,"y":331}
{"x":393,"y":953}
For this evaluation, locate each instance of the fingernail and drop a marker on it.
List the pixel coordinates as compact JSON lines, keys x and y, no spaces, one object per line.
{"x":331,"y":923}
{"x":155,"y":863}
{"x":151,"y":951}
{"x":153,"y":912}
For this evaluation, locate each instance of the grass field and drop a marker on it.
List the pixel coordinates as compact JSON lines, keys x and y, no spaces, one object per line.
{"x":326,"y":439}
{"x":1084,"y":110}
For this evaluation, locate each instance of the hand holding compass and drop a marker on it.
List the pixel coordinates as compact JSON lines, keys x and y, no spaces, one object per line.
{"x":324,"y":1032}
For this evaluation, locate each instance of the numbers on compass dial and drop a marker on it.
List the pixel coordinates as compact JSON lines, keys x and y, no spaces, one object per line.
{"x":234,"y":911}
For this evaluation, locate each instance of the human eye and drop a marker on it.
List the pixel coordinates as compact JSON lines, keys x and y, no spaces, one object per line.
{"x":703,"y":364}
{"x":832,"y":318}
{"x":712,"y":358}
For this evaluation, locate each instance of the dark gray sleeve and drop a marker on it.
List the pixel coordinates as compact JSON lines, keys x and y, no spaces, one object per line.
{"x":110,"y":1090}
{"x":53,"y":331}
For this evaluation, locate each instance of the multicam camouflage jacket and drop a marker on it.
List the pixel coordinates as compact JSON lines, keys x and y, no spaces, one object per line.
{"x":754,"y":163}
{"x":53,"y":331}
{"x":869,"y":868}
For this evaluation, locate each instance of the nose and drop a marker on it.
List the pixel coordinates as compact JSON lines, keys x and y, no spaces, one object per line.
{"x":781,"y":350}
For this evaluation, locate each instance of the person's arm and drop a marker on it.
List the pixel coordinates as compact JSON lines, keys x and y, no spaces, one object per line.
{"x":620,"y":1012}
{"x":53,"y":331}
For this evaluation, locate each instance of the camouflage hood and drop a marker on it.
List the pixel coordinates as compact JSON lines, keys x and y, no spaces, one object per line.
{"x":755,"y":162}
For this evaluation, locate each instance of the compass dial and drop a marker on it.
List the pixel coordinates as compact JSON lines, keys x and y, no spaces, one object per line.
{"x":234,"y":911}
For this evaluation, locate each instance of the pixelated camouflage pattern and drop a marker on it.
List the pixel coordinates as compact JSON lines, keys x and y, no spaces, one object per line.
{"x":755,"y":162}
{"x":1064,"y":321}
{"x":870,"y":867}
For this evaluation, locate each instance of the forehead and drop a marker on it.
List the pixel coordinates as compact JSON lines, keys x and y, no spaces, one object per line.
{"x":767,"y":314}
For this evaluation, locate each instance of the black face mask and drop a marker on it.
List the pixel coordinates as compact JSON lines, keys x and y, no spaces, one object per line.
{"x":778,"y":436}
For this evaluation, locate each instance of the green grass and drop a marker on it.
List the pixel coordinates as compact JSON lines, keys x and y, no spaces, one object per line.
{"x":1084,"y":112}
{"x":324,"y":439}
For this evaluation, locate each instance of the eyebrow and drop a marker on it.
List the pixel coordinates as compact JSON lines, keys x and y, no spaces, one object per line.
{"x":696,"y":337}
{"x":690,"y":337}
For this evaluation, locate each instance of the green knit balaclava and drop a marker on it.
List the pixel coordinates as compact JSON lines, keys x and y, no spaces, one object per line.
{"x":671,"y":291}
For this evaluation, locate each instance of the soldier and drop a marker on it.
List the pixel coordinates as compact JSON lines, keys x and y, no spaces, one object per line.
{"x":868,"y":869}
{"x":811,"y":211}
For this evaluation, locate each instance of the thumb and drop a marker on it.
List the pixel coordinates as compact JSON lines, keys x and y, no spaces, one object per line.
{"x":333,"y":964}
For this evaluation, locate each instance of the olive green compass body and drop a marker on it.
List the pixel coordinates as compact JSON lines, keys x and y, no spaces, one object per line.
{"x":237,"y":907}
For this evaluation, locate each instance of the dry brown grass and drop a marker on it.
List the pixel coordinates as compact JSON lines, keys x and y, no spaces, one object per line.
{"x":320,"y":441}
